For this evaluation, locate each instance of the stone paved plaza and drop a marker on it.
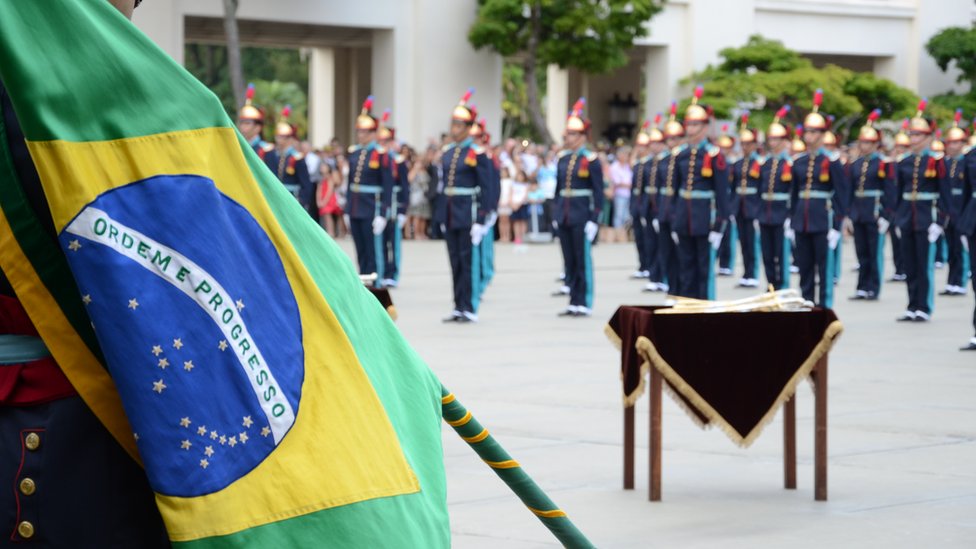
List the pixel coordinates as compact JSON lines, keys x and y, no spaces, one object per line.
{"x":902,"y":420}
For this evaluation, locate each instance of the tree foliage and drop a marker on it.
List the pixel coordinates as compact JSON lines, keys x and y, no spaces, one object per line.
{"x":763,"y":75}
{"x":955,"y":45}
{"x":593,"y":37}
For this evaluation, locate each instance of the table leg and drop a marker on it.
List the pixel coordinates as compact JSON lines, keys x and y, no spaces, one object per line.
{"x":629,"y":448}
{"x":820,"y":431}
{"x":655,"y":443}
{"x":789,"y":443}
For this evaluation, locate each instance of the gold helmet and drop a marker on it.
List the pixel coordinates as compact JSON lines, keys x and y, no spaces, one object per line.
{"x":673,"y":128}
{"x":696,"y":112}
{"x":643,"y":137}
{"x":918,"y":123}
{"x":365,"y":120}
{"x":956,"y":133}
{"x":249,"y":111}
{"x":830,"y":139}
{"x":724,"y":139}
{"x":654,"y":134}
{"x":868,"y":132}
{"x":937,"y":144}
{"x":464,"y":112}
{"x":798,"y":145}
{"x":777,"y":128}
{"x":576,"y":122}
{"x":284,"y":128}
{"x":746,"y":135}
{"x":815,"y":120}
{"x":477,"y":129}
{"x":901,"y":138}
{"x":384,"y":131}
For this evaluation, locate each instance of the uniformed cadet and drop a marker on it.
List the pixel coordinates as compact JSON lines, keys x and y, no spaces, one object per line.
{"x":726,"y":250}
{"x":872,"y":194}
{"x":966,"y":225}
{"x":397,"y":214}
{"x":776,"y":184}
{"x":745,"y":184}
{"x":460,"y":212}
{"x":250,"y":122}
{"x":667,"y":185}
{"x":901,"y":144}
{"x":921,"y":212}
{"x":639,"y":199}
{"x":830,"y":145}
{"x":370,"y":194}
{"x":576,"y":208}
{"x":701,"y":207}
{"x":489,"y":201}
{"x":818,"y":208}
{"x":67,"y":481}
{"x":955,"y":140}
{"x":288,"y":163}
{"x":651,"y":165}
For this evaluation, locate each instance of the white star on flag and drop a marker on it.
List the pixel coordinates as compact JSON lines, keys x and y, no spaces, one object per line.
{"x":232,"y":441}
{"x":247,"y":421}
{"x":222,"y":345}
{"x":223,"y":440}
{"x":163,"y":363}
{"x":265,"y":431}
{"x":133,"y":303}
{"x":177,"y":344}
{"x":188,"y":365}
{"x":186,"y":444}
{"x":243,"y":437}
{"x":204,"y":463}
{"x":240,"y":304}
{"x":209,"y":451}
{"x":157,"y":350}
{"x":202,"y":430}
{"x":86,"y":299}
{"x":74,"y":245}
{"x":213,"y":435}
{"x":185,"y":422}
{"x":158,"y":386}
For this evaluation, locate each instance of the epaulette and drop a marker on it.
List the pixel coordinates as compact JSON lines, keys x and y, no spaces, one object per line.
{"x":380,"y":149}
{"x":591,"y":156}
{"x":297,"y":155}
{"x":399,"y":158}
{"x":834,"y":156}
{"x":478,"y":149}
{"x":800,"y":155}
{"x":352,"y":149}
{"x":938,"y":155}
{"x":267,"y":147}
{"x":712,"y":150}
{"x":677,"y":150}
{"x":663,"y":154}
{"x":647,"y":158}
{"x":563,"y":153}
{"x":903,"y":156}
{"x":447,"y":147}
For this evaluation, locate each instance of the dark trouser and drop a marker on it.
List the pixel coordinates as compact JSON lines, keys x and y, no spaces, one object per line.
{"x":919,"y":256}
{"x":868,"y":257}
{"x":577,"y":253}
{"x":667,"y":259}
{"x":972,"y":273}
{"x":775,"y":262}
{"x":459,"y":250}
{"x":642,"y":261}
{"x":89,"y":492}
{"x":566,"y":245}
{"x":391,"y":250}
{"x":651,"y":245}
{"x":747,"y":240}
{"x":726,"y":250}
{"x":811,"y":259}
{"x":696,"y":257}
{"x":941,"y":250}
{"x":363,"y":238}
{"x":956,"y":260}
{"x":896,"y":255}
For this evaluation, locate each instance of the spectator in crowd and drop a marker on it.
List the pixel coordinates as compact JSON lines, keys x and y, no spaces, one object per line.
{"x":327,"y":200}
{"x":621,"y":178}
{"x":419,"y":210}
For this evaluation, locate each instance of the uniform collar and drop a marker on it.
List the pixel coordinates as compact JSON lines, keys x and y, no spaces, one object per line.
{"x":257,"y":141}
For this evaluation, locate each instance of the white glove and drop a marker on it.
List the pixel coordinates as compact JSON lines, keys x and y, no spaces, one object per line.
{"x":477,"y":233}
{"x":897,"y":231}
{"x":965,"y":242}
{"x":715,"y":239}
{"x":379,"y":223}
{"x":657,"y":225}
{"x":492,"y":218}
{"x":789,"y":233}
{"x":935,"y":231}
{"x":443,"y":228}
{"x":590,"y":230}
{"x":346,"y":220}
{"x":674,"y":237}
{"x":883,"y":225}
{"x":755,"y":225}
{"x":401,"y":220}
{"x":833,"y":237}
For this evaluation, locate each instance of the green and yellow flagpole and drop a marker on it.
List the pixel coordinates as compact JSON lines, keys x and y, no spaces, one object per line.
{"x":488,"y":449}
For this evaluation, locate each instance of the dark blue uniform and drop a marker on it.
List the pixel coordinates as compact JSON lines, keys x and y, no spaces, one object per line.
{"x":922,"y":199}
{"x":667,"y":249}
{"x":467,"y":174}
{"x":370,"y":193}
{"x":818,"y":201}
{"x":966,"y":224}
{"x":292,"y":171}
{"x":640,"y":198}
{"x":489,"y":198}
{"x":775,"y":199}
{"x":392,"y":234}
{"x":958,"y":262}
{"x":650,"y":166}
{"x":871,"y":197}
{"x":745,"y":209}
{"x":701,"y":206}
{"x":579,"y":198}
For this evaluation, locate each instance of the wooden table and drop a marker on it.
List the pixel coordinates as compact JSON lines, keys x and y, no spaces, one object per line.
{"x":817,"y":370}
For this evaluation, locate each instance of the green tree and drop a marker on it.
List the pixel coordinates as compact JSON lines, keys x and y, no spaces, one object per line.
{"x":955,"y":45}
{"x":593,"y":37}
{"x":763,"y":75}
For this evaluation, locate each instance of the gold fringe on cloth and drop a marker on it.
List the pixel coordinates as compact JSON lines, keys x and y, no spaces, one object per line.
{"x":391,"y":310}
{"x":646,"y":348}
{"x":645,"y":368}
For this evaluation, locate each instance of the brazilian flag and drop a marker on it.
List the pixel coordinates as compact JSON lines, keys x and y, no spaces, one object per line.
{"x":211,"y":325}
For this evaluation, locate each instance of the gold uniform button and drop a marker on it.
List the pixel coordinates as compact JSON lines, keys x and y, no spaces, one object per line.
{"x":33,"y":442}
{"x":27,"y":486}
{"x":25,"y":529}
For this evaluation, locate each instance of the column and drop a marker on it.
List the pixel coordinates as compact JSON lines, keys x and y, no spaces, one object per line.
{"x":321,"y":96}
